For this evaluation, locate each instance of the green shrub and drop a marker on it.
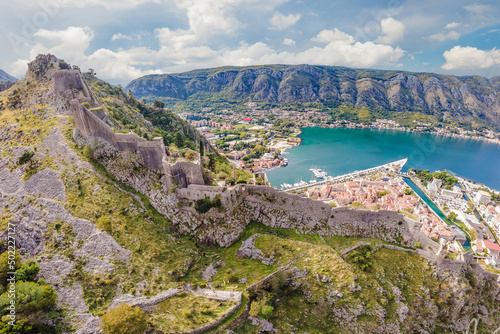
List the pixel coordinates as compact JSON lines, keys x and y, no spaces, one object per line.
{"x":267,"y":311}
{"x":88,"y":153}
{"x":124,"y":319}
{"x":418,"y":245}
{"x":233,"y":279}
{"x":255,"y":308}
{"x":28,"y":271}
{"x":204,"y":204}
{"x":30,"y":298}
{"x":25,"y":157}
{"x":5,"y":267}
{"x":362,"y":256}
{"x":104,"y":223}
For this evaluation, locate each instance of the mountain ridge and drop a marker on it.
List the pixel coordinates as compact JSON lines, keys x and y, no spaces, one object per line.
{"x":465,"y":98}
{"x":4,"y":77}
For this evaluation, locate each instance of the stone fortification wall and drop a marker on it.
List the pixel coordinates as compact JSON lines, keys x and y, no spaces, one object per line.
{"x":248,"y":203}
{"x":185,"y":173}
{"x":195,"y":191}
{"x":70,"y":84}
{"x":89,"y":125}
{"x":152,"y":153}
{"x":69,"y":79}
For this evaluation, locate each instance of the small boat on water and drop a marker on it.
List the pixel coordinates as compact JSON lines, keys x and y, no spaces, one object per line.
{"x":318,"y":173}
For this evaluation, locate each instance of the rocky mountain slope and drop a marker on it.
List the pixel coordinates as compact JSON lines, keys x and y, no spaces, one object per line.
{"x":95,"y":229}
{"x":6,"y":81}
{"x":467,"y":98}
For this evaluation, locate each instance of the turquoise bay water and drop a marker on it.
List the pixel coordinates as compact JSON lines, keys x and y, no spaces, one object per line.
{"x":340,"y":151}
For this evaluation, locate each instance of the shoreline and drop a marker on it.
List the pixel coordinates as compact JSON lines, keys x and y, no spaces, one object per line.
{"x":359,"y":126}
{"x":481,"y":139}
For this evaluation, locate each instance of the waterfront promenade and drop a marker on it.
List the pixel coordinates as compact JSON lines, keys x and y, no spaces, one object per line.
{"x":396,"y":165}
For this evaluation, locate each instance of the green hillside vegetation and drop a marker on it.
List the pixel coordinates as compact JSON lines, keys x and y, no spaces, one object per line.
{"x":145,"y":120}
{"x":184,"y":313}
{"x":425,"y":176}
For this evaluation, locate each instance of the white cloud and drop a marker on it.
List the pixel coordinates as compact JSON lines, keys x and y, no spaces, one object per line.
{"x":470,"y":58}
{"x":391,"y":31}
{"x":210,"y":16}
{"x":281,"y":22}
{"x":120,"y":36}
{"x":335,"y":35}
{"x":71,"y":44}
{"x":175,"y":38}
{"x":441,"y":37}
{"x":452,"y":25}
{"x":177,"y":52}
{"x":71,"y":41}
{"x":108,"y":4}
{"x":478,"y":9}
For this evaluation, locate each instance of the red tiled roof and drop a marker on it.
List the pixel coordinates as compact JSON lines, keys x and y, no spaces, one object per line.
{"x":491,"y":245}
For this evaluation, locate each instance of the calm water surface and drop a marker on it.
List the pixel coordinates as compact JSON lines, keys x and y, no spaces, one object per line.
{"x":340,"y":151}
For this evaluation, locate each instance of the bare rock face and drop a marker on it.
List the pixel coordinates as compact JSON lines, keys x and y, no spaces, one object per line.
{"x":210,"y":272}
{"x":55,"y":269}
{"x":247,"y":249}
{"x":47,"y":184}
{"x":87,"y":324}
{"x":101,"y":244}
{"x":144,"y":303}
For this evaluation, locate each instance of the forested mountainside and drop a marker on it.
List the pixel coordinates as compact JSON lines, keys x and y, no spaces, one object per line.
{"x":106,"y":245}
{"x":464,"y":99}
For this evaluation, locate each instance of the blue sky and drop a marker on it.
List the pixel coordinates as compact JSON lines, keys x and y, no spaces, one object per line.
{"x":125,"y":39}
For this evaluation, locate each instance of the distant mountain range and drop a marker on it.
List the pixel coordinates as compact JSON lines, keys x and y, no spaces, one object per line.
{"x":464,"y":98}
{"x":4,"y":77}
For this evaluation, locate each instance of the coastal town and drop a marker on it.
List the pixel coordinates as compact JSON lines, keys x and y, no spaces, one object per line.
{"x":464,"y":217}
{"x":254,"y":138}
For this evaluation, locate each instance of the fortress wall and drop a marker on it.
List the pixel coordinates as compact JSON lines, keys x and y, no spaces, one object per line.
{"x":386,"y":225}
{"x":195,"y":192}
{"x":426,"y":242}
{"x":128,"y":137}
{"x":283,"y":210}
{"x":90,"y":125}
{"x":68,"y":79}
{"x":127,"y":146}
{"x":71,"y":79}
{"x":186,"y":173}
{"x":301,"y":207}
{"x":152,"y":153}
